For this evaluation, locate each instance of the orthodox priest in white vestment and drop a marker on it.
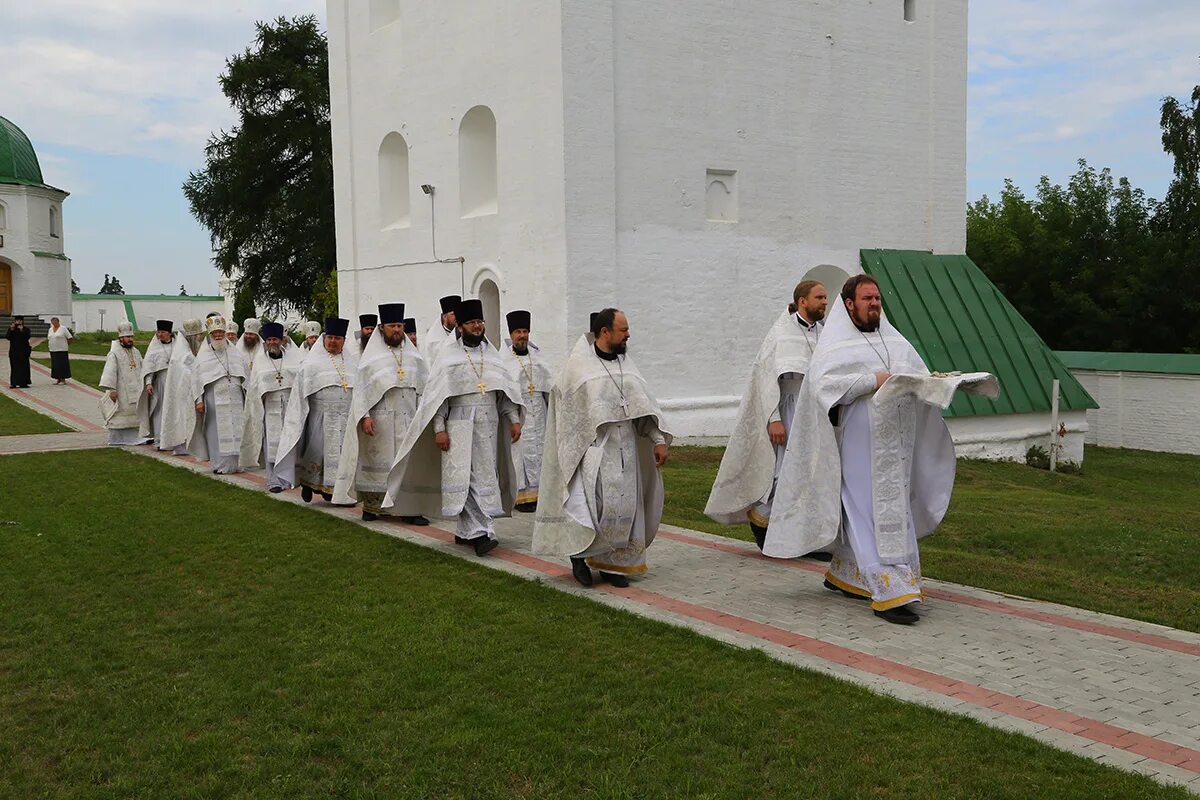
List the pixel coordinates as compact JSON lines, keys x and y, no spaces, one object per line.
{"x":387,"y":391}
{"x":601,"y":493}
{"x":444,"y":331}
{"x":122,"y":383}
{"x":314,"y":426}
{"x":218,"y":391}
{"x":154,"y":376}
{"x":270,"y":386}
{"x":312,"y":332}
{"x":532,"y":376}
{"x":745,"y":486}
{"x":180,"y":421}
{"x":471,"y":411}
{"x":882,"y":478}
{"x":250,"y":343}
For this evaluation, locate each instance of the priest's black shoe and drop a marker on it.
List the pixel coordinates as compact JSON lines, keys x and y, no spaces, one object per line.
{"x":581,"y":572}
{"x":461,"y":540}
{"x":614,"y":579}
{"x":306,"y":494}
{"x":417,"y":520}
{"x":903,"y":615}
{"x":275,"y":489}
{"x":760,"y":535}
{"x":527,"y":508}
{"x":834,"y":588}
{"x":369,"y":517}
{"x":820,"y":555}
{"x":485,"y":545}
{"x":328,"y":498}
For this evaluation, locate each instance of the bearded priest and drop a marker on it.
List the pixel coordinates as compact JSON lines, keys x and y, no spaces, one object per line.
{"x":270,"y":386}
{"x":472,"y":410}
{"x":532,"y":375}
{"x":746,"y":482}
{"x":387,"y":390}
{"x":154,"y":376}
{"x":250,"y":343}
{"x":218,"y":391}
{"x":314,"y":426}
{"x":601,"y":490}
{"x":179,"y":421}
{"x":885,"y":480}
{"x":122,"y":383}
{"x":444,"y":331}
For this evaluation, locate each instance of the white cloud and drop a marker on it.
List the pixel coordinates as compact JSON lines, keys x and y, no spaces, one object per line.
{"x":130,"y":77}
{"x":1087,"y":74}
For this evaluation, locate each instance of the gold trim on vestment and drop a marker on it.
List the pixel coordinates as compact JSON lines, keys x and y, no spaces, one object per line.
{"x":757,"y":518}
{"x":527,"y":496}
{"x":902,"y":600}
{"x":635,"y":570}
{"x":846,"y":587}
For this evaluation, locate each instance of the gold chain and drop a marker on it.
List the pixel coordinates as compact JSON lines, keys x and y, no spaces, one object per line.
{"x":478,"y":372}
{"x":527,"y":370}
{"x":340,"y":370}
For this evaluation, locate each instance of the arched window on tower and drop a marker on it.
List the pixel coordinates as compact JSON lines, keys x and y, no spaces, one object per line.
{"x":3,"y":217}
{"x":55,"y":229}
{"x":477,"y":182}
{"x":394,"y":203}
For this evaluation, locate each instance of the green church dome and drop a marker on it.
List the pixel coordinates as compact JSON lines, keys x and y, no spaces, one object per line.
{"x":18,"y":161}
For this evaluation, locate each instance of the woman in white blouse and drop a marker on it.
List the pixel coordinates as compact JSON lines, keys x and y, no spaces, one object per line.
{"x":57,"y":339}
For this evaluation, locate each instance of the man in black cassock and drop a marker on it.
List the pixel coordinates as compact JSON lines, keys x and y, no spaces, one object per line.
{"x":18,"y":354}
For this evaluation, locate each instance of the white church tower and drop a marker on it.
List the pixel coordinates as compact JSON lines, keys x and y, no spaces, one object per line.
{"x":686,"y":161}
{"x":35,"y":274}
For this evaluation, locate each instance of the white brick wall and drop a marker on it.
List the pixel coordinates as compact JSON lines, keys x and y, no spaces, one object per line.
{"x":845,"y":124}
{"x":1143,"y":410}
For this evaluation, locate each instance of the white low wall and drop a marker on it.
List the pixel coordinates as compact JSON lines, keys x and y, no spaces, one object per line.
{"x":708,"y":420}
{"x":145,"y":310}
{"x":1143,"y":410}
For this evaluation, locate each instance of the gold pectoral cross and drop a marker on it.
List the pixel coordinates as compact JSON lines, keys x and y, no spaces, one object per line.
{"x":482,"y":387}
{"x":531,"y":389}
{"x":400,"y":373}
{"x":279,"y":379}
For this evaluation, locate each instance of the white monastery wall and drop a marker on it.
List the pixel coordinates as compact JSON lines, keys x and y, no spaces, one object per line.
{"x":85,"y":313}
{"x":418,"y":76}
{"x":1143,"y":410}
{"x":685,"y":161}
{"x":843,"y":127}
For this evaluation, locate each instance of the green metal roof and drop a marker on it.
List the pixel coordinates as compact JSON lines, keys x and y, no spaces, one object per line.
{"x":1174,"y":363}
{"x":45,"y":254}
{"x":958,"y":320}
{"x":18,"y":161}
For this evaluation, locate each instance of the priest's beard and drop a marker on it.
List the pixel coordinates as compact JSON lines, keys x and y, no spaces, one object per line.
{"x":471,"y":340}
{"x":218,"y":344}
{"x":618,"y":349}
{"x":869,"y":325}
{"x":814,"y":314}
{"x":395,"y":341}
{"x":127,"y":345}
{"x":275,"y":350}
{"x":521,"y":351}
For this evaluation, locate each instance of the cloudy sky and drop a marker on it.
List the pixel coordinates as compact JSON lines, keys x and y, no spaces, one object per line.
{"x":119,"y":97}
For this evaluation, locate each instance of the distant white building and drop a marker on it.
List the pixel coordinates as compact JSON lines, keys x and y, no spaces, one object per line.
{"x":686,"y":162}
{"x":35,"y":273}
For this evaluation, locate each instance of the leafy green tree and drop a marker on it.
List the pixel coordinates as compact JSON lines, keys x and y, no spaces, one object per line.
{"x":111,"y":285}
{"x":266,"y":191}
{"x":243,"y":304}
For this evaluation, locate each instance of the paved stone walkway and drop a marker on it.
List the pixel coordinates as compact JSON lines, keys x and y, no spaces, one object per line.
{"x":1119,"y":691}
{"x":74,"y":404}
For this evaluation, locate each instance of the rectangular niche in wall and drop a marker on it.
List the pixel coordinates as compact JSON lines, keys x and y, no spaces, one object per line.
{"x":720,"y":195}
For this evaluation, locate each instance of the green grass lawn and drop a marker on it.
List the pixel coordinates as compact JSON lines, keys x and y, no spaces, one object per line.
{"x":97,"y":343}
{"x":1122,"y":537}
{"x":215,"y":643}
{"x":19,"y":420}
{"x":87,"y":372}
